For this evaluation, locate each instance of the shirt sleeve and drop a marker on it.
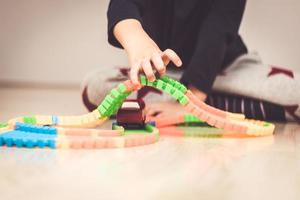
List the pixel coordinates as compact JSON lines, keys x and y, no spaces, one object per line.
{"x":119,"y":10}
{"x":218,"y":31}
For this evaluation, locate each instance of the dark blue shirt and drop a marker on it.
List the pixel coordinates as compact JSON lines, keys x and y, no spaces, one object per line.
{"x":204,"y":33}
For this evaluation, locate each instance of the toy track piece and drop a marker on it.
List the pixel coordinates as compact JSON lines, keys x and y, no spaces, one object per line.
{"x":3,"y":125}
{"x":35,"y":129}
{"x":174,"y":83}
{"x":24,"y":139}
{"x":88,"y":132}
{"x":29,"y":119}
{"x":204,"y":106}
{"x":212,"y":120}
{"x":28,"y":135}
{"x":130,"y":140}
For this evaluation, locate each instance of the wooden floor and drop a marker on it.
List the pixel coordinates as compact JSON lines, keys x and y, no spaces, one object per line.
{"x":173,"y":168}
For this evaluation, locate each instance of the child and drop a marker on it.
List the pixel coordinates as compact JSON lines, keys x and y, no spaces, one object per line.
{"x":199,"y":36}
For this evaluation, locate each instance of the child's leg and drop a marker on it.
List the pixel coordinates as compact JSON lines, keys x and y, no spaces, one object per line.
{"x":97,"y":84}
{"x":249,"y":77}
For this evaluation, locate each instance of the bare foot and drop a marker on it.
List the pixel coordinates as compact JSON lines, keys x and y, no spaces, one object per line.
{"x":163,"y":109}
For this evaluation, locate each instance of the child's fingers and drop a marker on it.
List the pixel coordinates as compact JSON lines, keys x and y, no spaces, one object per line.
{"x":134,"y":71}
{"x":147,"y":68}
{"x":171,"y":55}
{"x":158,"y":63}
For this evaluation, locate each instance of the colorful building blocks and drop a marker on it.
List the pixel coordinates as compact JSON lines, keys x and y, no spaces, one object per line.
{"x":75,"y":131}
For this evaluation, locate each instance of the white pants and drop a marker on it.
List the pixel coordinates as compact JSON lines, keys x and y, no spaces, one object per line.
{"x":246,"y":76}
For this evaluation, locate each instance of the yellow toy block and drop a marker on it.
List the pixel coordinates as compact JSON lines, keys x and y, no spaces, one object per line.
{"x":43,"y":120}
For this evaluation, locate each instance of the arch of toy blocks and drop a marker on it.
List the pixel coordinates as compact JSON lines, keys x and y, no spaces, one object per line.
{"x":214,"y":117}
{"x":113,"y":101}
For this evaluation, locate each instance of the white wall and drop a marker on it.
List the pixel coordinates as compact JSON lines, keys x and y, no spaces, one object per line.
{"x":272,"y":27}
{"x":61,"y":40}
{"x":54,"y":40}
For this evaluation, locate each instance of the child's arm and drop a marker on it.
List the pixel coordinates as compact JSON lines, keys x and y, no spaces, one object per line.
{"x":142,"y":51}
{"x":125,"y":30}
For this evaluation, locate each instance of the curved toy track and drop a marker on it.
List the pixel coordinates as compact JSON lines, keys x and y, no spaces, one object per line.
{"x":71,"y":132}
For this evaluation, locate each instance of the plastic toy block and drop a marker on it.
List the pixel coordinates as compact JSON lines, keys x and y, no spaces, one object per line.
{"x":160,"y":84}
{"x":29,"y":140}
{"x":115,"y":126}
{"x":3,"y":125}
{"x":177,"y":94}
{"x":235,"y":115}
{"x":35,"y":129}
{"x":183,"y":100}
{"x":169,"y":89}
{"x":174,"y":83}
{"x":115,"y":93}
{"x":143,"y":80}
{"x":122,"y":88}
{"x":204,"y":106}
{"x":89,"y":132}
{"x":129,"y":86}
{"x":43,"y":120}
{"x":151,"y":84}
{"x":109,"y":99}
{"x":102,"y":110}
{"x":29,"y":119}
{"x":190,"y":118}
{"x":96,"y":114}
{"x":106,"y":104}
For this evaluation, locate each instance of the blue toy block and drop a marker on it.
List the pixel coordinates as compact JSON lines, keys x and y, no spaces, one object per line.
{"x":35,"y":129}
{"x":27,"y":139}
{"x":19,"y":143}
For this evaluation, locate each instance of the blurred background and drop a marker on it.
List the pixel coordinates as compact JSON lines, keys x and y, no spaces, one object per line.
{"x":57,"y":42}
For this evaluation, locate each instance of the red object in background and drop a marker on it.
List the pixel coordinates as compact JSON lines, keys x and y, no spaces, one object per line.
{"x":131,"y":114}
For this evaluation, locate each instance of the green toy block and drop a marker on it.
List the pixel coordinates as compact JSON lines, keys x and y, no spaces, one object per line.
{"x":102,"y":110}
{"x":154,"y":83}
{"x":183,"y":89}
{"x":149,"y":128}
{"x":106,"y":104}
{"x":164,"y":79}
{"x":188,"y":118}
{"x":160,"y":84}
{"x":183,"y":100}
{"x":29,"y":119}
{"x":177,"y":85}
{"x":122,"y":88}
{"x":3,"y":125}
{"x":115,"y":93}
{"x":267,"y":124}
{"x":109,"y":99}
{"x":177,"y":94}
{"x":168,"y":89}
{"x":143,"y":80}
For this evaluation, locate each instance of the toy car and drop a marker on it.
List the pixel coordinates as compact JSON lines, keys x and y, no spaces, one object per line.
{"x":131,"y":114}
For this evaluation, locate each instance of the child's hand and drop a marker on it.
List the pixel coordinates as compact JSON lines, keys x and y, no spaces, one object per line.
{"x":150,"y":59}
{"x":143,"y":53}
